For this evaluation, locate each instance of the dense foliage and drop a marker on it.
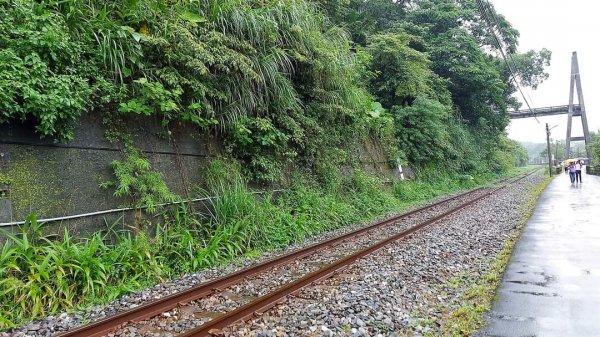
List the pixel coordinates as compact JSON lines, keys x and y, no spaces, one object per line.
{"x":594,"y":146}
{"x":277,"y":78}
{"x":135,"y":180}
{"x":39,"y":76}
{"x":442,"y":52}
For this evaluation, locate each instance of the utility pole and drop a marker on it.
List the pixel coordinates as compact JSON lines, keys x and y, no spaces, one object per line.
{"x":549,"y":155}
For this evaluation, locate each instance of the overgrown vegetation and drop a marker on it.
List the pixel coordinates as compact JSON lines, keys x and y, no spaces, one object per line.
{"x":594,"y":146}
{"x":276,"y":79}
{"x":292,"y":88}
{"x":135,"y":180}
{"x":41,"y":276}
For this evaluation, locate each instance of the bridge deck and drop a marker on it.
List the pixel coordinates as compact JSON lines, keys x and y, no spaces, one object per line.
{"x":546,"y":111}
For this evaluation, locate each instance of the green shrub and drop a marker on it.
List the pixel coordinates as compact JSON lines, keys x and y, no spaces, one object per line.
{"x":136,"y":181}
{"x":41,"y":78}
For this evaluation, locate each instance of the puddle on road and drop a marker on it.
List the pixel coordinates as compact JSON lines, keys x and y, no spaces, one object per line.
{"x":512,"y":318}
{"x":541,"y":284}
{"x":534,"y":293}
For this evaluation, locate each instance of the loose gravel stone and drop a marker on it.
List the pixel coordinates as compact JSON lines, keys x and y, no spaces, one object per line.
{"x":381,"y":299}
{"x":254,"y":287}
{"x":405,"y":289}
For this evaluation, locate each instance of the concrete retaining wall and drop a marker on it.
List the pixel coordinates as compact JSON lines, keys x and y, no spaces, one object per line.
{"x":61,"y":179}
{"x":56,"y":180}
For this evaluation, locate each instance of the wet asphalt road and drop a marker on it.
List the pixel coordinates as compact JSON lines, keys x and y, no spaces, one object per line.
{"x":551,"y":286}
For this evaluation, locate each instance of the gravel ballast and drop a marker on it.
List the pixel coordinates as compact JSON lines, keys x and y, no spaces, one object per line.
{"x":201,"y":311}
{"x":52,"y":325}
{"x":406,"y":288}
{"x":398,"y":290}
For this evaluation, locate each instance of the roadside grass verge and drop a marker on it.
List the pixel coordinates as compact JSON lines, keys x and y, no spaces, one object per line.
{"x":479,"y":294}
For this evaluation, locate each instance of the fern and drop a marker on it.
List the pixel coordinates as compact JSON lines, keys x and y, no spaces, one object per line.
{"x":136,"y":181}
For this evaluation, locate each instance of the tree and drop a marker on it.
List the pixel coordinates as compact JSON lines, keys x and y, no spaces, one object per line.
{"x":400,"y":73}
{"x":559,"y":150}
{"x":365,"y":18}
{"x":477,"y":89}
{"x":594,"y":146}
{"x":42,"y":76}
{"x":531,"y":67}
{"x":275,"y":79}
{"x":422,"y":130}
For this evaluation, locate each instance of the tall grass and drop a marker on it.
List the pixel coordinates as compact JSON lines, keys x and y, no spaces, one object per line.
{"x":40,"y":276}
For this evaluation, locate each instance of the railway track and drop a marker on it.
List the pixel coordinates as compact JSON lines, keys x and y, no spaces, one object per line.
{"x":240,"y":295}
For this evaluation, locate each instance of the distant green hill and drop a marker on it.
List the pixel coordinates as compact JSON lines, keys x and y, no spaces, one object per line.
{"x":533,"y":149}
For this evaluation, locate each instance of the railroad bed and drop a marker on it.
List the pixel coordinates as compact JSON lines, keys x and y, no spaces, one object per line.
{"x":374,"y":284}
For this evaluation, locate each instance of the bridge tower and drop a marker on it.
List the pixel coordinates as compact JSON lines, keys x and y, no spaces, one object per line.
{"x":573,"y":110}
{"x":576,"y":82}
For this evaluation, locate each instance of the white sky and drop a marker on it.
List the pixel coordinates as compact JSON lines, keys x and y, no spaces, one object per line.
{"x":562,"y":27}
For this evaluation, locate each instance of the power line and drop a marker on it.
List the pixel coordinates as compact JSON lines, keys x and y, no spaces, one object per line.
{"x":486,"y":10}
{"x":503,"y":54}
{"x":494,"y":16}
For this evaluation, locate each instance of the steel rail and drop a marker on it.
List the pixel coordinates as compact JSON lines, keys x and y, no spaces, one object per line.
{"x":267,"y":301}
{"x":156,"y":307}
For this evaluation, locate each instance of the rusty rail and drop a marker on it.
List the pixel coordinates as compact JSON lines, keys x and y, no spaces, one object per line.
{"x":156,"y":307}
{"x":269,"y":300}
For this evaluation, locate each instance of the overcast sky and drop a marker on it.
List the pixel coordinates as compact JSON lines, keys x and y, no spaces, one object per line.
{"x":563,"y":27}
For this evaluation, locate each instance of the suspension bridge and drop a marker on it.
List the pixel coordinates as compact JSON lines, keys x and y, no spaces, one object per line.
{"x":571,"y":109}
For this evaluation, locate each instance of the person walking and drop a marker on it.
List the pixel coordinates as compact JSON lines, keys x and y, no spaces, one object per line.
{"x":578,"y":168}
{"x":572,"y":172}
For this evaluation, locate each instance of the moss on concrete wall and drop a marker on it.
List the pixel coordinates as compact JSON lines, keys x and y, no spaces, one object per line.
{"x":33,"y":185}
